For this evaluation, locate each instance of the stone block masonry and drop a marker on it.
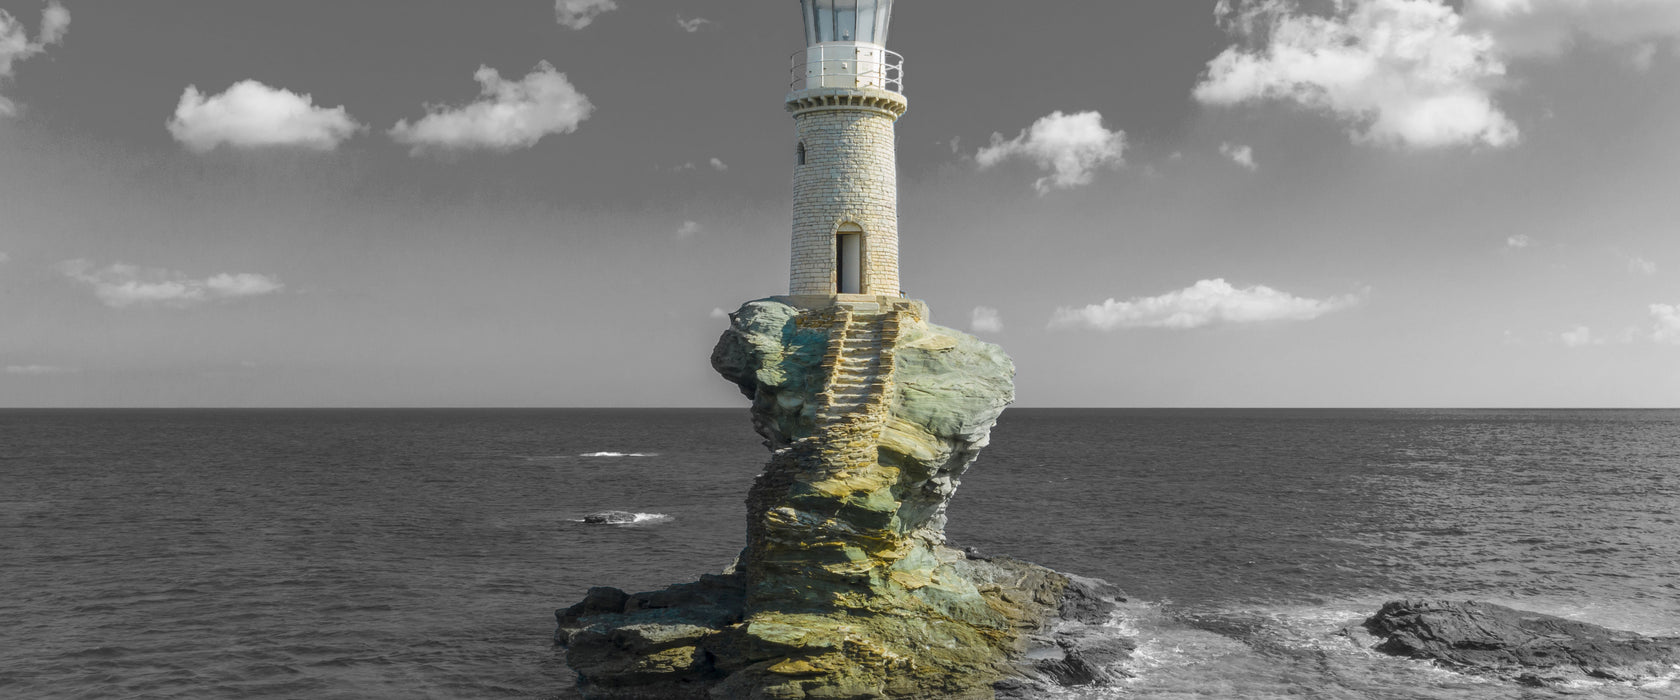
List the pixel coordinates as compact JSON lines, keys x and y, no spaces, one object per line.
{"x":850,"y":176}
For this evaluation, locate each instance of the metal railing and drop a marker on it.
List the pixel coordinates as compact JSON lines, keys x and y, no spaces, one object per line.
{"x":847,"y":66}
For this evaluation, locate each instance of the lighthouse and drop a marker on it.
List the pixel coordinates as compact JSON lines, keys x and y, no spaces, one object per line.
{"x":845,"y":94}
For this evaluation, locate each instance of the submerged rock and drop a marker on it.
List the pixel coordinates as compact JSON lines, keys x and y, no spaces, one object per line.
{"x":1519,"y":645}
{"x":610,"y":517}
{"x":846,"y":587}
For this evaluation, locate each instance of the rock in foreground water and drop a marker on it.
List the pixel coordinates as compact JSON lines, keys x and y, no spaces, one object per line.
{"x":1520,"y":645}
{"x":846,"y":587}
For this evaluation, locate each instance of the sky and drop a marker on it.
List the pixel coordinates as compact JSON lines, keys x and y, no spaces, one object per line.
{"x":1270,"y":203}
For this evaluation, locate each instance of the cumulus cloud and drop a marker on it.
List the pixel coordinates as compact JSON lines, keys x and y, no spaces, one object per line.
{"x":692,"y":25}
{"x":688,"y":228}
{"x":1071,"y":147}
{"x":38,"y":370}
{"x":1519,"y":241}
{"x":509,"y":115}
{"x":1641,"y":266}
{"x":985,"y":319}
{"x":121,"y":285}
{"x":1403,"y":73}
{"x":253,"y":115}
{"x":1205,"y":303}
{"x":15,"y":46}
{"x":578,"y":14}
{"x":1543,"y":28}
{"x":55,"y":23}
{"x":719,"y":165}
{"x":1667,"y":318}
{"x":718,"y":312}
{"x":1241,"y":155}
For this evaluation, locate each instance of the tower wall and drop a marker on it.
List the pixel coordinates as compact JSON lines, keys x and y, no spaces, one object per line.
{"x":850,"y":175}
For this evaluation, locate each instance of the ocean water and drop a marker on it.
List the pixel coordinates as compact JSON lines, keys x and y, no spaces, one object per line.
{"x":420,"y":554}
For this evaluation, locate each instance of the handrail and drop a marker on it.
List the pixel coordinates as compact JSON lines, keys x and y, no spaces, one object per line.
{"x":840,"y":67}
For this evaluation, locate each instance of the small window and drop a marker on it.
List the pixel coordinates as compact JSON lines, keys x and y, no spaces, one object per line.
{"x":801,"y":152}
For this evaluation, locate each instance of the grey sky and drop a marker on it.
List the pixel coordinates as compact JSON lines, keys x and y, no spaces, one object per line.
{"x":1361,"y":265}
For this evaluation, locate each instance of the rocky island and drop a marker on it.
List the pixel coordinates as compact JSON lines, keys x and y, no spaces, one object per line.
{"x":847,"y":587}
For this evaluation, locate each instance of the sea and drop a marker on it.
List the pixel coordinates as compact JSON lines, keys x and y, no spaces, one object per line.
{"x":327,"y":554}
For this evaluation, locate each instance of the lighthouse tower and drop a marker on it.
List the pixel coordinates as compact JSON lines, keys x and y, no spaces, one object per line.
{"x":846,"y":93}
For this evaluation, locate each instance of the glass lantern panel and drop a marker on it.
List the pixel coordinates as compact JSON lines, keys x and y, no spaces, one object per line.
{"x":845,"y":20}
{"x":825,"y":20}
{"x":807,"y":13}
{"x":866,"y":21}
{"x":883,"y":15}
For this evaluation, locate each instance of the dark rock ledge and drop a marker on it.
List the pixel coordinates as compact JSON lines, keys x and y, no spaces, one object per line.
{"x":1517,"y":645}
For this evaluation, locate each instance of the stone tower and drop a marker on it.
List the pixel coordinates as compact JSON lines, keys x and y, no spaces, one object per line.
{"x":846,"y":93}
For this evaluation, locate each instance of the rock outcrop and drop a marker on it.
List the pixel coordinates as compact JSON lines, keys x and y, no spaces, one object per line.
{"x":846,"y":587}
{"x":1519,"y":645}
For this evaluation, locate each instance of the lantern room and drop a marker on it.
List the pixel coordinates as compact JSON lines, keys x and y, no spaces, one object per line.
{"x":846,"y":20}
{"x":845,"y":47}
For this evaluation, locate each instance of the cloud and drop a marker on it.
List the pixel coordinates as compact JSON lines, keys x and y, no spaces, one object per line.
{"x":121,"y":285}
{"x":1667,"y":318}
{"x":578,"y":14}
{"x":1070,"y":146}
{"x":1205,"y":303}
{"x":687,"y":229}
{"x":1643,"y":57}
{"x":509,"y":116}
{"x":1403,"y":73}
{"x":4,"y":258}
{"x":1580,"y":336}
{"x":15,"y":46}
{"x":55,"y":23}
{"x":692,"y":25}
{"x":1241,"y":155}
{"x":38,"y":370}
{"x":1641,"y":266}
{"x":718,"y":312}
{"x":1548,"y":28}
{"x":986,"y":320}
{"x":719,"y":165}
{"x":253,"y":115}
{"x":1519,"y":241}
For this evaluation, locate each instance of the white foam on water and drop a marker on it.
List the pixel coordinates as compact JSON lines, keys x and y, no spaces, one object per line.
{"x":619,"y":454}
{"x":641,"y":519}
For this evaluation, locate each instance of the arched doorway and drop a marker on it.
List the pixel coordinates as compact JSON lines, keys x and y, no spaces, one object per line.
{"x":848,"y":259}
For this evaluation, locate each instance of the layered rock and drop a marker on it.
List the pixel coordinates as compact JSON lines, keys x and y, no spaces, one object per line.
{"x":1519,"y":645}
{"x":846,"y":588}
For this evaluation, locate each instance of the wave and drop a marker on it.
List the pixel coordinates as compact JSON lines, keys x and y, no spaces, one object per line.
{"x":619,"y":454}
{"x":640,"y":519}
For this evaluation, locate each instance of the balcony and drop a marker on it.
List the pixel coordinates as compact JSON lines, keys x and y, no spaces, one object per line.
{"x":849,"y":65}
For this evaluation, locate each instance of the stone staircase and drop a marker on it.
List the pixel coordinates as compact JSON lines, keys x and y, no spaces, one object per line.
{"x":852,"y":408}
{"x":855,"y":379}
